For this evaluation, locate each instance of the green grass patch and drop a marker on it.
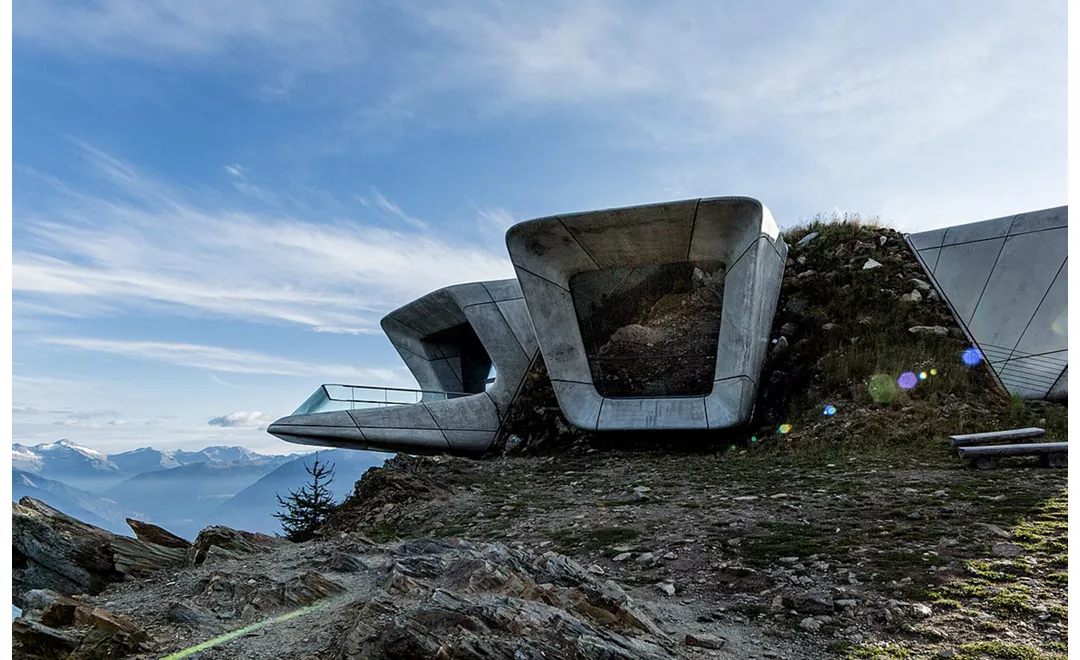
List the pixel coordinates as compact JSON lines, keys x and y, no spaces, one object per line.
{"x":1003,"y":651}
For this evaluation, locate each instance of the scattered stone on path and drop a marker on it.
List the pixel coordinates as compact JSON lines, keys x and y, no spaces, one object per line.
{"x":811,"y":624}
{"x":995,"y":530}
{"x":913,"y":297}
{"x":935,"y":330}
{"x":667,"y":587}
{"x":622,"y":556}
{"x":1007,"y":550}
{"x":870,"y":264}
{"x":704,"y":641}
{"x":814,"y":601}
{"x":191,"y":614}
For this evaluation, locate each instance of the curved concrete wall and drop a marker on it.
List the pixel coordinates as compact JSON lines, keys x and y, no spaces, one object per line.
{"x":436,"y":336}
{"x":1006,"y":280}
{"x":738,"y":232}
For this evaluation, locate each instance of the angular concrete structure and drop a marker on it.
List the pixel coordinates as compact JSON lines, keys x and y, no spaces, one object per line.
{"x":1006,"y":281}
{"x":582,"y":275}
{"x":450,"y":339}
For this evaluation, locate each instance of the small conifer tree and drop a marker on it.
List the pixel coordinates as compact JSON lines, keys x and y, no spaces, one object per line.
{"x":304,"y":510}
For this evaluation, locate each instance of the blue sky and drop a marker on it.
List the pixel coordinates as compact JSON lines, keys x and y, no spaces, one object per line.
{"x":215,"y":202}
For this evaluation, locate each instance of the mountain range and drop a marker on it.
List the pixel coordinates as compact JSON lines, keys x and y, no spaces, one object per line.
{"x":182,"y":491}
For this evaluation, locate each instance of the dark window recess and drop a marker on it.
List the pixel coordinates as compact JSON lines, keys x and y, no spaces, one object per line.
{"x":462,"y":364}
{"x":651,"y":330}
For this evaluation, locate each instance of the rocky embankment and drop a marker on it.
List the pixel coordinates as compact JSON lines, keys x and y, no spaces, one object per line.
{"x":341,"y":597}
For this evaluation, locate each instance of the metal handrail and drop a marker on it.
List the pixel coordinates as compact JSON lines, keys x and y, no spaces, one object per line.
{"x":392,"y":389}
{"x":320,"y":400}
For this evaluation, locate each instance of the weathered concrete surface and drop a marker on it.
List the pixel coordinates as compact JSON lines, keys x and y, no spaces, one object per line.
{"x":1006,"y":281}
{"x":737,"y":232}
{"x":449,"y":339}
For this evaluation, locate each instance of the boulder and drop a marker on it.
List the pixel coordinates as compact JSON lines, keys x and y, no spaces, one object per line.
{"x":813,"y":602}
{"x":153,"y":534}
{"x":54,"y":625}
{"x":233,"y":542}
{"x":192,"y":615}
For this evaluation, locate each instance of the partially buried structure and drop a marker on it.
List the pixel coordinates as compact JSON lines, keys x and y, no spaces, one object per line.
{"x":659,"y":317}
{"x":1006,"y":281}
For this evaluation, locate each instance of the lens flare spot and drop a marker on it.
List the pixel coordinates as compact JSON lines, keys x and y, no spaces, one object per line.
{"x":829,"y":411}
{"x":907,"y":380}
{"x":753,"y":438}
{"x":784,"y":429}
{"x":972,"y":356}
{"x":933,"y":372}
{"x":922,"y":375}
{"x":882,"y":388}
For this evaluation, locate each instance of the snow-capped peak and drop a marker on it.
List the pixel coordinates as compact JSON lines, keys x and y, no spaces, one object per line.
{"x":68,"y":444}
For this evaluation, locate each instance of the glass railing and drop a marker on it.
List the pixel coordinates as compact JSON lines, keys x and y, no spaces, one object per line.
{"x":333,"y":396}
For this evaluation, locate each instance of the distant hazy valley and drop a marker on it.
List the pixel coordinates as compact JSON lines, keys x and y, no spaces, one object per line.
{"x":183,"y":491}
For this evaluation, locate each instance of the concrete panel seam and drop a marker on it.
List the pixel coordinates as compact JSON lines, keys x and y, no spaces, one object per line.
{"x":949,"y":303}
{"x":753,"y":244}
{"x":543,"y":278}
{"x":422,"y":357}
{"x":575,"y":382}
{"x":434,"y":421}
{"x":397,"y":320}
{"x":499,"y":300}
{"x":726,"y":378}
{"x":693,"y":226}
{"x":975,"y":309}
{"x":994,"y":238}
{"x":510,"y":330}
{"x":1037,"y":307}
{"x":517,"y":392}
{"x":571,"y":235}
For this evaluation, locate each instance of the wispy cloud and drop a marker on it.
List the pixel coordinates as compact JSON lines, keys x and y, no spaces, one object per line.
{"x":226,"y":384}
{"x":148,"y":243}
{"x":316,"y":32}
{"x":242,"y":419}
{"x":497,"y":218}
{"x":222,"y":360}
{"x":379,"y":201}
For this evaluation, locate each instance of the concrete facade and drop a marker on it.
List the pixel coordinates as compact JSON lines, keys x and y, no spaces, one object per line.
{"x":737,"y":232}
{"x":1006,"y":281}
{"x":449,"y":339}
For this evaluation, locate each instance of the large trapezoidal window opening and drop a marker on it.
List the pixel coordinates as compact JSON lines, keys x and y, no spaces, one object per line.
{"x":651,"y":330}
{"x":465,"y":364}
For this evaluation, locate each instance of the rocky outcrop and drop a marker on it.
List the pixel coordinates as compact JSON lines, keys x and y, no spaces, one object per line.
{"x":386,"y":492}
{"x":226,"y":542}
{"x":54,"y":551}
{"x":458,"y":600}
{"x":153,"y":534}
{"x":53,"y":625}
